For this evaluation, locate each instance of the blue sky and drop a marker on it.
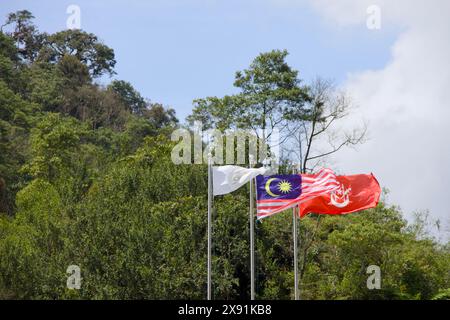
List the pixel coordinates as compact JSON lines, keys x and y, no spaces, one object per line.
{"x":176,"y":51}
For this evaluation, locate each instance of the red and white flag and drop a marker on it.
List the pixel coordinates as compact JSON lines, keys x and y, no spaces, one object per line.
{"x":355,"y":193}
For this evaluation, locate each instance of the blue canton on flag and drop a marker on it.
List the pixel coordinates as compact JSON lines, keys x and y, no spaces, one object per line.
{"x":278,"y":187}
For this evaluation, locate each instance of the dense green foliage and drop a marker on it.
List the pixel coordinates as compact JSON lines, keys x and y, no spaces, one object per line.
{"x":86,"y":179}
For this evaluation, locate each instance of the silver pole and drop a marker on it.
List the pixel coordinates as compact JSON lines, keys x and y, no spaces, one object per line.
{"x":210,"y":199}
{"x":294,"y":233}
{"x":294,"y":220}
{"x":252,"y":244}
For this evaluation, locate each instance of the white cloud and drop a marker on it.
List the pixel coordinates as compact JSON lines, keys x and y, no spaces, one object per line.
{"x":407,"y":103}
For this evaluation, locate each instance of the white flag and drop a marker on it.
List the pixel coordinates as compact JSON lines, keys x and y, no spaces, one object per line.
{"x":226,"y":179}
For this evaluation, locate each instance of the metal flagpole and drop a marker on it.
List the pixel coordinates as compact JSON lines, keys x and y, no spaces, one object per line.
{"x":252,"y":238}
{"x":294,"y":217}
{"x":252,"y":245}
{"x":294,"y":232}
{"x":210,"y":199}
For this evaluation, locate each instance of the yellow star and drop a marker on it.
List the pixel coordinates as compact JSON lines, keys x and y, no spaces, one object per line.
{"x":285,"y":186}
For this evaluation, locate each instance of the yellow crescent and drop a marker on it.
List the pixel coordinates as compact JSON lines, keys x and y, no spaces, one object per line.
{"x":268,"y":188}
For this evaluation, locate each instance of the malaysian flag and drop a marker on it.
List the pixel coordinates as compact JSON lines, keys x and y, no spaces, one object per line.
{"x":280,"y":192}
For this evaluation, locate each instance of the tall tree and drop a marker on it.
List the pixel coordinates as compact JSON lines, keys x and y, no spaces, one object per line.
{"x":90,"y":103}
{"x":159,"y":116}
{"x":86,"y":47}
{"x":270,"y":94}
{"x":28,"y":39}
{"x":129,"y":96}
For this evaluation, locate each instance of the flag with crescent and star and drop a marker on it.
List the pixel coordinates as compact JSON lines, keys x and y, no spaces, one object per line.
{"x":280,"y":192}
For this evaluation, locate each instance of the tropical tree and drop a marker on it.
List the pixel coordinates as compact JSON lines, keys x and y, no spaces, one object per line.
{"x":27,"y":38}
{"x":84,"y":46}
{"x":270,"y":95}
{"x":129,"y":96}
